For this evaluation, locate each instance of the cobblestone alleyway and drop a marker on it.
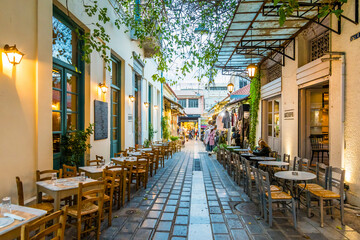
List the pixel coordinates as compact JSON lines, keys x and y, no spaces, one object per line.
{"x":193,"y":198}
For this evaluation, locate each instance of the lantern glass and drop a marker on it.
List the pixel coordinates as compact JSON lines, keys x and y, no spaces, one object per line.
{"x":13,"y":54}
{"x":251,"y":70}
{"x":146,"y":104}
{"x":132,"y":98}
{"x":103,"y":87}
{"x":230,"y":87}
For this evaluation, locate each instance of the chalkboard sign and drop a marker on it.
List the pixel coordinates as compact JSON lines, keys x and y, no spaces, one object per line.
{"x":101,"y":120}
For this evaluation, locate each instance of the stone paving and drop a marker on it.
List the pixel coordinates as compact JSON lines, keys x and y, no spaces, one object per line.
{"x":194,"y":198}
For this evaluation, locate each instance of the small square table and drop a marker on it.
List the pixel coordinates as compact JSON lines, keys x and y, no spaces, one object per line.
{"x":64,"y":187}
{"x":14,"y":230}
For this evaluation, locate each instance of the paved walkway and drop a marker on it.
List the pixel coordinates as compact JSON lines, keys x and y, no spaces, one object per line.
{"x":194,"y":198}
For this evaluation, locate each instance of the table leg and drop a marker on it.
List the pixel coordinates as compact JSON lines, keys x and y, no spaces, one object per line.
{"x":38,"y":195}
{"x":57,"y":202}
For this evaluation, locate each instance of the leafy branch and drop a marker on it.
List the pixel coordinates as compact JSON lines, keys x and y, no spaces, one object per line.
{"x":288,"y":7}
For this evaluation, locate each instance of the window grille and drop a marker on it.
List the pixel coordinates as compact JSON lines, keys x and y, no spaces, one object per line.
{"x":182,"y":102}
{"x":274,"y":72}
{"x":319,"y":45}
{"x":193,"y":103}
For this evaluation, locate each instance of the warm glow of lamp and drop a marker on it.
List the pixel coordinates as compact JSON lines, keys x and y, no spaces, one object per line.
{"x":103,"y":87}
{"x":230,"y":87}
{"x":13,"y":54}
{"x":251,"y":70}
{"x":132,"y":98}
{"x":156,"y":107}
{"x":146,"y":104}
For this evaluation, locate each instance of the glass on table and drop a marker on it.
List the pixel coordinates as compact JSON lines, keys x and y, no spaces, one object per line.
{"x":53,"y":178}
{"x":6,"y":205}
{"x":82,"y":176}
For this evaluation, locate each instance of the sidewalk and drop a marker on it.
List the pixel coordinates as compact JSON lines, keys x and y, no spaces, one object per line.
{"x":194,"y":198}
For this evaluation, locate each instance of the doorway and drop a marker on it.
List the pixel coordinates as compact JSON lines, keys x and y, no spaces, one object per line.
{"x":273,"y":125}
{"x":115,"y":131}
{"x":137,"y":106}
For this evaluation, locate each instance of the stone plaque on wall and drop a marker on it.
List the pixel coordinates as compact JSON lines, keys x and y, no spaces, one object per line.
{"x":289,"y":114}
{"x":100,"y":120}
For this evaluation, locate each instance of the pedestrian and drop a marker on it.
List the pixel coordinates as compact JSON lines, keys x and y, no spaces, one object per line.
{"x":206,"y":137}
{"x":211,"y":141}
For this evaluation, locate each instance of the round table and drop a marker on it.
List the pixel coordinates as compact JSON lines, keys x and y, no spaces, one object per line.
{"x":241,"y":150}
{"x":296,"y":176}
{"x":232,"y":147}
{"x":274,"y":163}
{"x":247,"y":155}
{"x":134,"y":153}
{"x":259,"y":158}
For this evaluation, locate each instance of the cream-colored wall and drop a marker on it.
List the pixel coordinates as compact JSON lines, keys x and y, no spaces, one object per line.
{"x":25,"y":95}
{"x":342,"y":43}
{"x":289,"y":100}
{"x":26,"y":89}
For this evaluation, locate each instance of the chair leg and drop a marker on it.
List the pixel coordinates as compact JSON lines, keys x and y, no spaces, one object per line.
{"x":308,"y":203}
{"x":265,"y":210}
{"x":294,"y":212}
{"x":321,"y":212}
{"x":78,"y":225}
{"x":342,"y":211}
{"x":270,"y":214}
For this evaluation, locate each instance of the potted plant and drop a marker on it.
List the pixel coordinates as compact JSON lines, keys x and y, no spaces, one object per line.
{"x":165,"y":128}
{"x":74,"y":145}
{"x":146,"y":143}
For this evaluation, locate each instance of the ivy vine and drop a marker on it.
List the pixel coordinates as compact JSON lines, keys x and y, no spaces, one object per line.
{"x":255,"y":86}
{"x":287,"y":8}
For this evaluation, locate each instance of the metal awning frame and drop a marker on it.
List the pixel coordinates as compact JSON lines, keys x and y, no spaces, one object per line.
{"x":313,"y":4}
{"x":271,"y":48}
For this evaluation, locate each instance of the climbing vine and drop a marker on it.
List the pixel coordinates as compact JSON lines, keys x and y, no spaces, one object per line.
{"x":255,"y":86}
{"x":287,"y":8}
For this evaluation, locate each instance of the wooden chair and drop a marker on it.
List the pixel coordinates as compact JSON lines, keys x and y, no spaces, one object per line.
{"x":46,"y":206}
{"x":161,"y":156}
{"x":304,"y":165}
{"x":109,"y":186}
{"x":51,"y":226}
{"x":118,"y":154}
{"x":141,"y":172}
{"x":296,"y":164}
{"x":46,"y":175}
{"x":270,"y":197}
{"x":88,"y":208}
{"x":69,"y":171}
{"x":317,"y":147}
{"x":335,"y":191}
{"x":128,"y":167}
{"x":250,"y":179}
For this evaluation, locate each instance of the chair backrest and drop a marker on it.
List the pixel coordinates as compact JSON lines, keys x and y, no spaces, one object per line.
{"x":20,"y":191}
{"x":93,"y":162}
{"x":255,"y":172}
{"x":304,"y":165}
{"x":69,"y":171}
{"x":247,"y":170}
{"x":322,"y":175}
{"x":46,"y":174}
{"x":296,"y":164}
{"x":264,"y":182}
{"x":274,"y":154}
{"x":286,"y":158}
{"x":94,"y":192}
{"x":336,"y":180}
{"x":124,"y":153}
{"x":316,"y":141}
{"x":98,"y":157}
{"x":109,"y":178}
{"x":142,"y":164}
{"x":51,"y":226}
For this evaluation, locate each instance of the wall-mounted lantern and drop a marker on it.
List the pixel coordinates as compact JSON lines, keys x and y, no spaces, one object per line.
{"x":13,"y":54}
{"x":103,"y":87}
{"x":132,"y":98}
{"x":146,"y":104}
{"x":156,"y":107}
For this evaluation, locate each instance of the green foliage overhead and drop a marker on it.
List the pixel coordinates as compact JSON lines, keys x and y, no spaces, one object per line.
{"x":174,"y":138}
{"x":74,"y":145}
{"x":185,"y":34}
{"x":288,"y":7}
{"x":255,"y":86}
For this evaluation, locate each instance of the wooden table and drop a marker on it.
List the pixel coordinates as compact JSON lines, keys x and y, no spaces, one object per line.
{"x":241,"y":150}
{"x":95,"y":172}
{"x":259,"y":158}
{"x":247,"y":155}
{"x":64,"y":187}
{"x":144,"y":149}
{"x":14,"y":230}
{"x":119,"y":160}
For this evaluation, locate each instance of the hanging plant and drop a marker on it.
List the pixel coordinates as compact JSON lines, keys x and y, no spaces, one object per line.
{"x":255,"y":86}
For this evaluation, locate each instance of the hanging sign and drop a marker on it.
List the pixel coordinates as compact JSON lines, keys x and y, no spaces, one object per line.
{"x":289,"y":114}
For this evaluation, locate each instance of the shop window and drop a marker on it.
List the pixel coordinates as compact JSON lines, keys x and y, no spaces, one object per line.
{"x":182,"y":102}
{"x":193,"y":103}
{"x":319,"y":46}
